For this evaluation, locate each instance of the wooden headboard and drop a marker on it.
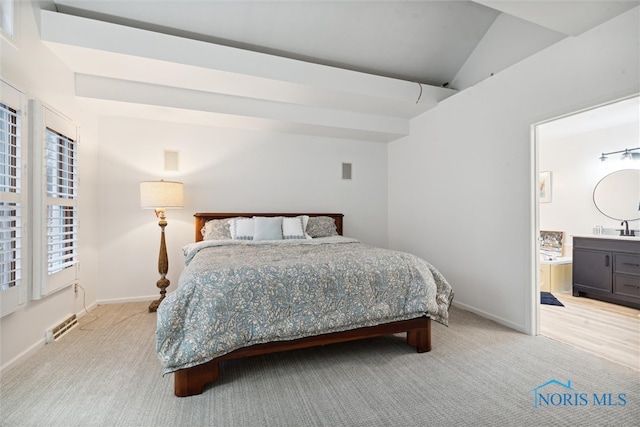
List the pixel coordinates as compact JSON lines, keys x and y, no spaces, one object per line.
{"x":202,"y":218}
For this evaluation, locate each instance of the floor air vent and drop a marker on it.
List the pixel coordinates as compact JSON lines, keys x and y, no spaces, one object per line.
{"x":58,"y":331}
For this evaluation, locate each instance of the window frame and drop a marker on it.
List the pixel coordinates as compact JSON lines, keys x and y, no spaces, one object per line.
{"x":14,"y":297}
{"x":45,"y":120}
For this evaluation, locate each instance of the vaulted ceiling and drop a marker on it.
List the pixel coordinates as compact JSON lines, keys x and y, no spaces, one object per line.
{"x":345,"y":69}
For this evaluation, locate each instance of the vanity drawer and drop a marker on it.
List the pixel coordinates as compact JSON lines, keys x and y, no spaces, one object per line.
{"x":626,"y":264}
{"x":626,"y":285}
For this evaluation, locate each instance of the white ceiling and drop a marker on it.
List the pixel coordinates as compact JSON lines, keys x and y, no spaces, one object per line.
{"x":347,"y":69}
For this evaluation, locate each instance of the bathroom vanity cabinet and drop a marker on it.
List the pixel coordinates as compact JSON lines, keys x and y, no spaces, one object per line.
{"x":607,"y":269}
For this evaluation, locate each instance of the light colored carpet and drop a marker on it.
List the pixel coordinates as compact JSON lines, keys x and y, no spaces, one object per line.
{"x":478,"y":373}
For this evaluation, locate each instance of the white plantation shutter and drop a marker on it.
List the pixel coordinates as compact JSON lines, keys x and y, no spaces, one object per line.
{"x":55,"y":211}
{"x":62,"y":217}
{"x":13,"y":257}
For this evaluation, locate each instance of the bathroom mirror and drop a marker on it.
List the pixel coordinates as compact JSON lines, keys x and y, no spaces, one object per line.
{"x":617,"y":195}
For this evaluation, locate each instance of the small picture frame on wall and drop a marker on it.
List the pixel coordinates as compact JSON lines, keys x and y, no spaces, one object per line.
{"x":544,"y":189}
{"x":552,"y":243}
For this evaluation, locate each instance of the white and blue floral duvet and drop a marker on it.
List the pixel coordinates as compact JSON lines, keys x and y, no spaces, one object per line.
{"x":234,"y":294}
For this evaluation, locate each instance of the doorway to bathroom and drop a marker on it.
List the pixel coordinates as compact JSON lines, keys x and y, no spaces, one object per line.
{"x":569,"y":152}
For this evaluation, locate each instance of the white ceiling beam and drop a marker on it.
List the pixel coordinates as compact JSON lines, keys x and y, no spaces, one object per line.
{"x":202,"y":118}
{"x":106,"y":37}
{"x":127,"y":91}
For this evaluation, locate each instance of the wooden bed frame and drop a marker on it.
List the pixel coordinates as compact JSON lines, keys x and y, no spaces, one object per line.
{"x":191,"y":381}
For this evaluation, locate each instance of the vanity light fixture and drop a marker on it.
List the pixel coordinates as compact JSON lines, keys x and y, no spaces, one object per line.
{"x":627,"y":154}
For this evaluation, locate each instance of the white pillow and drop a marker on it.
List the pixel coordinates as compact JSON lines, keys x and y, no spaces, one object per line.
{"x":267,"y":228}
{"x":294,"y":227}
{"x":241,"y":228}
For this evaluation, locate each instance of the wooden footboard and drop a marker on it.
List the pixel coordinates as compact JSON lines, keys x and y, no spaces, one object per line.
{"x":191,"y":381}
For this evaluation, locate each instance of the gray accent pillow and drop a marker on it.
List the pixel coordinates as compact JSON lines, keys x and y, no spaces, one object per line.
{"x":216,"y":229}
{"x":321,"y":226}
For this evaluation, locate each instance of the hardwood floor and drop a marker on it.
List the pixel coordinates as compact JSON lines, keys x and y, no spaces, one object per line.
{"x":608,"y":330}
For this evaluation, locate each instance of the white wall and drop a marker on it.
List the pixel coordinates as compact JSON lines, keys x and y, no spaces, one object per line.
{"x":576,"y":170}
{"x":461,"y":186}
{"x":223,"y":170}
{"x":33,"y":69}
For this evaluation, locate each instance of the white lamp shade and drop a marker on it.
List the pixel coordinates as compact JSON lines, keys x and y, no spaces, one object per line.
{"x":161,"y":194}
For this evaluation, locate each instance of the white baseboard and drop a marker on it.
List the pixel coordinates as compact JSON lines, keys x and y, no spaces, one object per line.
{"x":125,"y":300}
{"x":84,"y":311}
{"x":38,"y":345}
{"x":497,"y":319}
{"x":22,"y":356}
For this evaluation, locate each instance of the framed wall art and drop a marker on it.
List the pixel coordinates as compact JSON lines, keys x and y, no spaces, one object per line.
{"x":544,"y":189}
{"x":552,"y":243}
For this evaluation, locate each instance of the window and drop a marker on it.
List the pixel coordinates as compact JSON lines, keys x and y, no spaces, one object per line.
{"x":12,"y":201}
{"x":46,"y":256}
{"x":55,"y":201}
{"x":62,"y":225}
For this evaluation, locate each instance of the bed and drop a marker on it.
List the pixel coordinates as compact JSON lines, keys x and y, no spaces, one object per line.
{"x":247,"y":296}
